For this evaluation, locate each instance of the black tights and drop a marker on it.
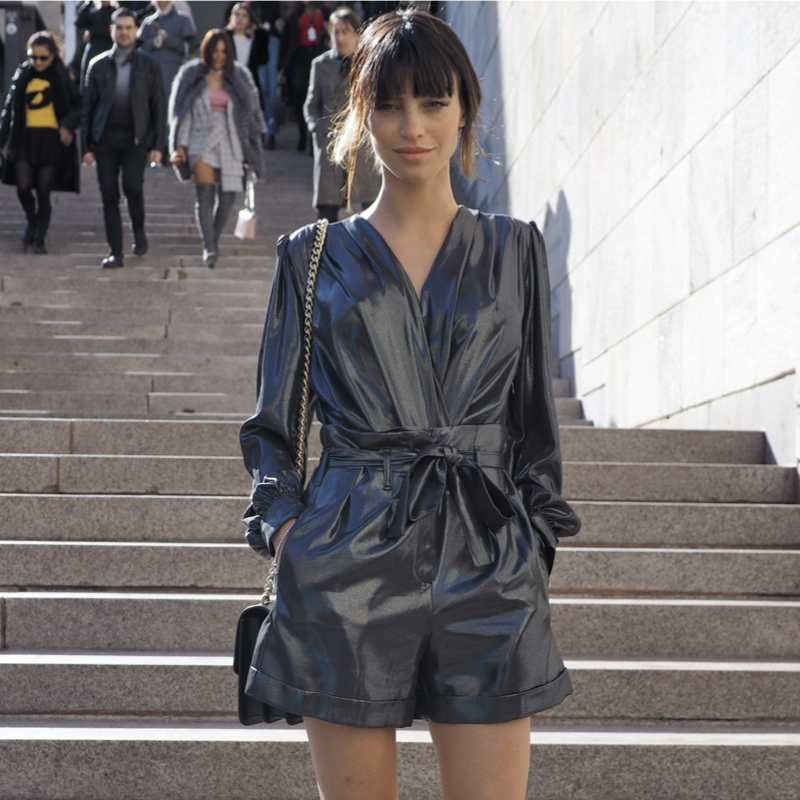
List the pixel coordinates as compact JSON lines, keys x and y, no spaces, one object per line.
{"x":42,"y":178}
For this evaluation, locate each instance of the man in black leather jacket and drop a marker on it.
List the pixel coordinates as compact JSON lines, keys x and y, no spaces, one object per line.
{"x":123,"y":125}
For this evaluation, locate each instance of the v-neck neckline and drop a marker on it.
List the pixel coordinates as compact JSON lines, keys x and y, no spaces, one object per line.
{"x":401,"y":270}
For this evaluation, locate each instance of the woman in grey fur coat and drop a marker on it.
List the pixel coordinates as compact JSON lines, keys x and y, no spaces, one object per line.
{"x":215,"y":124}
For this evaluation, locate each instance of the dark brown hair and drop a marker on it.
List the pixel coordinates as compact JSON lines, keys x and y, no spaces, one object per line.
{"x":395,"y":47}
{"x":48,"y":40}
{"x":254,"y":22}
{"x":346,"y":15}
{"x":209,"y":45}
{"x":124,"y":12}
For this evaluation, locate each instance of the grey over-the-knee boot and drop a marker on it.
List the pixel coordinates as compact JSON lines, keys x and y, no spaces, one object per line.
{"x":222,"y":210}
{"x":204,"y":214}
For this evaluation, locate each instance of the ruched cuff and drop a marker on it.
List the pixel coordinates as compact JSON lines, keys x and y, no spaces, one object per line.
{"x":262,"y":524}
{"x":551,"y":523}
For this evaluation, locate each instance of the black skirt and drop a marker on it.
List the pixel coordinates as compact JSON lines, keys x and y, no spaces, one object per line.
{"x":40,"y":147}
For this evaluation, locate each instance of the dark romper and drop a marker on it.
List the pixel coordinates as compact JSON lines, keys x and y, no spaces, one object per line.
{"x":414,"y":582}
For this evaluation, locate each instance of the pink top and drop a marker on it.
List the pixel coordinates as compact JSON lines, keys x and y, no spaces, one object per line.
{"x":218,"y":99}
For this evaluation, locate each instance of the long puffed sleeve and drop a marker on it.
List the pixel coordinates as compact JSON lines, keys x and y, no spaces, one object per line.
{"x":533,"y":423}
{"x":269,"y":438}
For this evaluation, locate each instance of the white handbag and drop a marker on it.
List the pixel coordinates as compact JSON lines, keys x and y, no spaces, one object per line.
{"x":247,"y":221}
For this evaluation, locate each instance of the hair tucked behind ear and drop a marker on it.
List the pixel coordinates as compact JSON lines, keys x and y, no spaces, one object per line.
{"x":397,"y":46}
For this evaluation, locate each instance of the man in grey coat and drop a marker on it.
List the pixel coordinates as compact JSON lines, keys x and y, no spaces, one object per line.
{"x":327,"y":93}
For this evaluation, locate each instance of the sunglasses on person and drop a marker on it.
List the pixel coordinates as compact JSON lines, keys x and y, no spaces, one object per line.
{"x":32,"y":57}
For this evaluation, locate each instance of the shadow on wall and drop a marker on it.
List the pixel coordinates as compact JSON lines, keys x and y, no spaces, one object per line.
{"x":488,"y":192}
{"x":557,"y":232}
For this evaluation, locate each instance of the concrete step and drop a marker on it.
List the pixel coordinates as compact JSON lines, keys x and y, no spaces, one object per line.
{"x":10,"y":330}
{"x":136,"y":759}
{"x":122,"y":518}
{"x":167,"y":684}
{"x":663,"y":446}
{"x":143,"y":315}
{"x":164,"y":403}
{"x":167,"y":518}
{"x":112,"y":282}
{"x":687,"y":524}
{"x":81,"y":382}
{"x":168,"y":294}
{"x":649,"y":446}
{"x":82,"y":474}
{"x":562,"y":387}
{"x":127,"y":362}
{"x":586,"y":628}
{"x":687,"y":483}
{"x":72,"y":344}
{"x":633,"y":572}
{"x":676,"y":570}
{"x":125,"y":565}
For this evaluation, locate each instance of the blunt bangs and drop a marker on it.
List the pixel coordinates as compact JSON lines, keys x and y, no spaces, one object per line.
{"x":402,"y":56}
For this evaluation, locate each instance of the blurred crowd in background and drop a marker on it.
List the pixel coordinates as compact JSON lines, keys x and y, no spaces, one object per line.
{"x":113,"y":105}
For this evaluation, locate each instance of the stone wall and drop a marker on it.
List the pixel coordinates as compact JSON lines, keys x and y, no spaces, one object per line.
{"x":658,"y":146}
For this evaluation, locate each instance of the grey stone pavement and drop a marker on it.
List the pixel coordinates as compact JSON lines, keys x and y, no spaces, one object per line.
{"x":123,"y":568}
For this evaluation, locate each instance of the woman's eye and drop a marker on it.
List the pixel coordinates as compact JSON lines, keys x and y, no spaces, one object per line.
{"x":384,"y":107}
{"x":438,"y":103}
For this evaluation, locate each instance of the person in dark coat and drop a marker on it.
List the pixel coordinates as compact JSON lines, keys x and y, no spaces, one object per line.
{"x":412,"y":568}
{"x":94,"y":17}
{"x":123,"y":127}
{"x":301,"y":43}
{"x":41,"y":113}
{"x":327,"y":94}
{"x":168,"y":35}
{"x":215,"y":125}
{"x":250,"y":41}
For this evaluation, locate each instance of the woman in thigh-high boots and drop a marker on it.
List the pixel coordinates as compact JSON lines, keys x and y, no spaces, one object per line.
{"x":216,"y":126}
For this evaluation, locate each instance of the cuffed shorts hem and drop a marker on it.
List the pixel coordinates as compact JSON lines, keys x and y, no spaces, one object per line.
{"x":401,"y":713}
{"x":481,"y":710}
{"x":343,"y":710}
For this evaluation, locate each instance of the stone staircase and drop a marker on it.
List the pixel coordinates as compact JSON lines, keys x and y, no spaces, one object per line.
{"x":123,"y":568}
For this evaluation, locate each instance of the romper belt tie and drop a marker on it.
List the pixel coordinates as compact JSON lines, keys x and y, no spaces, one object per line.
{"x":432,"y":461}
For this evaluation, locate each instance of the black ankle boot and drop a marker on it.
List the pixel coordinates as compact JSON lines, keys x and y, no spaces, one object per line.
{"x":27,"y":234}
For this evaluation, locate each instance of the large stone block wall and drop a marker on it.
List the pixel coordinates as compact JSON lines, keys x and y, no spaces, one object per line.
{"x":657,"y":144}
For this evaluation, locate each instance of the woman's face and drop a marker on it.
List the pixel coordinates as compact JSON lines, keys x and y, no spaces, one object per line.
{"x":415,"y":137}
{"x":218,"y":57}
{"x":240,"y":20}
{"x":345,"y":38}
{"x":40,"y":57}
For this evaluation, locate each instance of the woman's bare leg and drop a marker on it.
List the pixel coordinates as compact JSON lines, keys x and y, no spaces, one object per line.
{"x":483,"y":762}
{"x":203,"y":173}
{"x":353,"y":763}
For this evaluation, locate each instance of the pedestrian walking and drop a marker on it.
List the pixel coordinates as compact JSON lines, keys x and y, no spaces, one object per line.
{"x":94,"y":19}
{"x":123,"y":126}
{"x":270,"y":13}
{"x":215,"y":124}
{"x":250,"y":40}
{"x":413,"y":568}
{"x":300,"y":45}
{"x":168,"y":35}
{"x":40,"y":115}
{"x":327,"y":93}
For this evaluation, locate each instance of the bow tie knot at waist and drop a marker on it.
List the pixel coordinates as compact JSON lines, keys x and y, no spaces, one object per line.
{"x":436,"y":466}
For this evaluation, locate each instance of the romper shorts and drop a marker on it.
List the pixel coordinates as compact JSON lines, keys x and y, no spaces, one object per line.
{"x":412,"y":586}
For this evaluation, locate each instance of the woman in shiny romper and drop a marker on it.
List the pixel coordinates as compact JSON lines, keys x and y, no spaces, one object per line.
{"x":413,"y":567}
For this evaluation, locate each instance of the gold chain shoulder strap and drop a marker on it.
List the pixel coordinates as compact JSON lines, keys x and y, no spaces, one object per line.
{"x":320,"y":232}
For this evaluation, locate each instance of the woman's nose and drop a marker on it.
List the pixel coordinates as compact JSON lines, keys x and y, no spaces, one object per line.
{"x":412,"y":125}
